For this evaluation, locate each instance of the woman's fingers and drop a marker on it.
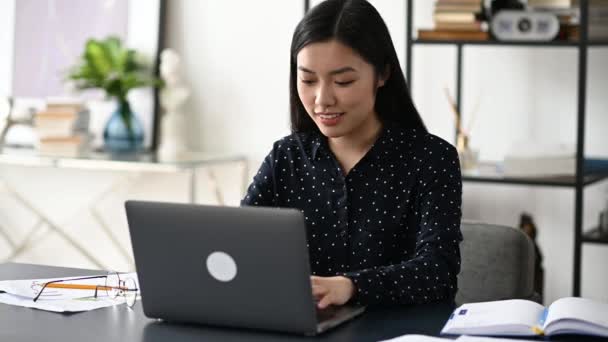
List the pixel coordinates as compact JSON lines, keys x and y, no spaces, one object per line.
{"x":325,"y":301}
{"x":318,"y":291}
{"x":331,"y":290}
{"x":323,"y":295}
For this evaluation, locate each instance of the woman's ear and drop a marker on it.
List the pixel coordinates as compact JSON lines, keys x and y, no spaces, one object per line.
{"x":384,"y":76}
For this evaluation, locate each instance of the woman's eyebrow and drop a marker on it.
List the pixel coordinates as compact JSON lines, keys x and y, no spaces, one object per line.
{"x":333,"y":72}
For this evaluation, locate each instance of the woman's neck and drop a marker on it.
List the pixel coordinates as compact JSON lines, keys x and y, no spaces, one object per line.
{"x":350,"y":148}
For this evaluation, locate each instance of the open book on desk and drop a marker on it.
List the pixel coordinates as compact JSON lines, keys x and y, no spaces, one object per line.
{"x":517,"y":317}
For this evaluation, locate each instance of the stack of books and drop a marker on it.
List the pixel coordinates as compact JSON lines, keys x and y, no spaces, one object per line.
{"x":62,"y":129}
{"x":456,"y":20}
{"x":598,"y":19}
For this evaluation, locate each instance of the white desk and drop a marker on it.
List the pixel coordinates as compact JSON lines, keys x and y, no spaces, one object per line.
{"x":133,"y":166}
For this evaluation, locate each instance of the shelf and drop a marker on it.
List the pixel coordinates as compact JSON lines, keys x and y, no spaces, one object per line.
{"x":509,"y":43}
{"x":488,"y":173}
{"x":594,"y":236}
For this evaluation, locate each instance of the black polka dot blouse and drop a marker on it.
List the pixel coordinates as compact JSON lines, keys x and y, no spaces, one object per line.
{"x":392,"y":225}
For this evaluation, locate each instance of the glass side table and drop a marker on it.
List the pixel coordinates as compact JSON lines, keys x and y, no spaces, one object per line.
{"x":133,"y":164}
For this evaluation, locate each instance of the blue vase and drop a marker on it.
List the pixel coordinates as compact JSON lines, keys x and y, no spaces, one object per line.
{"x":124,"y":132}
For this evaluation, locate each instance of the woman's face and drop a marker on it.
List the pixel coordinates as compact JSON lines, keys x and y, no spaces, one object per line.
{"x":337,"y":88}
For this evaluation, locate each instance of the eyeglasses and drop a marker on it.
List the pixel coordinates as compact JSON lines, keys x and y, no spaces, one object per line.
{"x":114,"y":287}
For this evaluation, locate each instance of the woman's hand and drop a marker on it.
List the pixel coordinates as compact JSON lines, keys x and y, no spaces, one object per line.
{"x":332,"y":290}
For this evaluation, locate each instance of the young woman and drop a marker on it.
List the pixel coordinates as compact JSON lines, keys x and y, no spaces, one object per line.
{"x":381,"y":196}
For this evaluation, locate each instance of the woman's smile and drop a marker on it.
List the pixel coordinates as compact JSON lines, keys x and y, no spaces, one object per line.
{"x":330,"y":119}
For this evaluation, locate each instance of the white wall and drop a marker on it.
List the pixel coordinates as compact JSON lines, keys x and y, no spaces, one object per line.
{"x":236,"y":54}
{"x":237,"y":57}
{"x":7,"y":24}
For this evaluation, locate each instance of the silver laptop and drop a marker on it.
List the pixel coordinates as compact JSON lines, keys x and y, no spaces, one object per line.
{"x":240,"y":267}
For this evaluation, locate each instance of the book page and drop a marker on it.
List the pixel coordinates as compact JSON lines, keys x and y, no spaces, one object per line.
{"x":465,"y":338}
{"x":417,"y":338}
{"x":505,"y":317}
{"x":576,"y":309}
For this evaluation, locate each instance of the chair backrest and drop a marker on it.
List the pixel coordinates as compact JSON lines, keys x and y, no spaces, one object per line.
{"x":497,"y":262}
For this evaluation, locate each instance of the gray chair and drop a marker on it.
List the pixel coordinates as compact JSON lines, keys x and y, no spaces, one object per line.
{"x":497,"y":263}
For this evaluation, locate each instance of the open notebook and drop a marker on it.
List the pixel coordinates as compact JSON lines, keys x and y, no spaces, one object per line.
{"x":517,"y":317}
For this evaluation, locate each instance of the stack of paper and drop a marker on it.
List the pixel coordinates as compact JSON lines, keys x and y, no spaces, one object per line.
{"x":22,"y":293}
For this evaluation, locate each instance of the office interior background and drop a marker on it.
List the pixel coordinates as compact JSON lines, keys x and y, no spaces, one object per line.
{"x":235,"y":59}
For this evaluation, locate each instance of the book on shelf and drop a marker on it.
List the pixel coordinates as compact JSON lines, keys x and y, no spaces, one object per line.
{"x":457,"y":7}
{"x":576,"y":3}
{"x":68,"y":105}
{"x":551,"y":166}
{"x":595,"y":32}
{"x":61,"y":121}
{"x":425,"y":34}
{"x":452,"y":18}
{"x":54,"y":123}
{"x":62,"y":128}
{"x":551,"y":3}
{"x":455,"y":17}
{"x":64,"y":146}
{"x":518,"y":317}
{"x":569,"y":17}
{"x":565,"y":15}
{"x":447,"y":26}
{"x":478,"y":2}
{"x":598,"y":21}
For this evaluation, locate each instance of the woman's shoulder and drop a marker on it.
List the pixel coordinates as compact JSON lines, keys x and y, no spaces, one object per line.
{"x":295,"y":141}
{"x":422,"y":143}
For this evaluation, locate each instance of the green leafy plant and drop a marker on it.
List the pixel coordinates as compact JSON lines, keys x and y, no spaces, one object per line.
{"x":107,"y":64}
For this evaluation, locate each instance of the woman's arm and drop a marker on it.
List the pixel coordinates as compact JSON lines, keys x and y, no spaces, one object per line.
{"x":431,"y":275}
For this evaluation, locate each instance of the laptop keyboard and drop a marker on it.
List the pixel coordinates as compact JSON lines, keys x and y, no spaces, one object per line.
{"x":327,"y":313}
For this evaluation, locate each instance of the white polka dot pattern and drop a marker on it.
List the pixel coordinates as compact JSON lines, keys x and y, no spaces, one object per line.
{"x":392,"y":225}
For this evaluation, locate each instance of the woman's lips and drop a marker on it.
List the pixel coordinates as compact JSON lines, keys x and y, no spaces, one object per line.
{"x":330,"y":119}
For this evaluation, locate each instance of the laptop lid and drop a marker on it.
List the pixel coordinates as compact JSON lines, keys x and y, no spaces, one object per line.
{"x":241,"y":267}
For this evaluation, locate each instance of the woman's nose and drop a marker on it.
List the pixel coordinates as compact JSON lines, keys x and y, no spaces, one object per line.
{"x":325,"y":96}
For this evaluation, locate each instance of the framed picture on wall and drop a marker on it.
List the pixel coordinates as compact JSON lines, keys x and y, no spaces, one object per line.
{"x":42,"y":39}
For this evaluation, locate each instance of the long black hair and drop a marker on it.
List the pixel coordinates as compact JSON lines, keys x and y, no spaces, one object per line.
{"x":357,"y":24}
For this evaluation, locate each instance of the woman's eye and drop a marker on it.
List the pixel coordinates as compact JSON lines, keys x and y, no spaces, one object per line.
{"x":308,"y":81}
{"x":343,"y":84}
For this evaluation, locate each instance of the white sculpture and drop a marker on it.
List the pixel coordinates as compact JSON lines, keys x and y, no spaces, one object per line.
{"x":174,"y":94}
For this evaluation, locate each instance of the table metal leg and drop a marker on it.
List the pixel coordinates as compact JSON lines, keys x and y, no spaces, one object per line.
{"x":7,"y":237}
{"x":123,"y":182}
{"x":27,"y":243}
{"x":245,"y":171}
{"x":215,"y":186}
{"x":193,"y":185}
{"x":52,"y":226}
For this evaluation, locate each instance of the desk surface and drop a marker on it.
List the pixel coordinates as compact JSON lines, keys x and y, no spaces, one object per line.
{"x":120,"y":323}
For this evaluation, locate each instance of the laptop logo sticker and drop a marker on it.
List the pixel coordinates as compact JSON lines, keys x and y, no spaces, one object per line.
{"x":221,"y":266}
